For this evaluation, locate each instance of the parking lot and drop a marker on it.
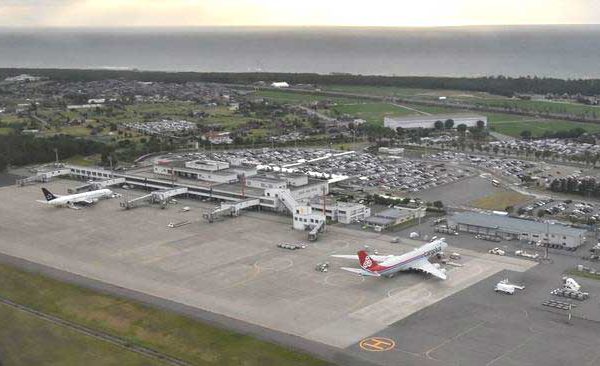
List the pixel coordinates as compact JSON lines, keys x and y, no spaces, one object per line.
{"x":565,"y":210}
{"x":232,"y":267}
{"x":360,"y":170}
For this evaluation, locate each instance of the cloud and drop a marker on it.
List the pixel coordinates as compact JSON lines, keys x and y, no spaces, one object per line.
{"x":119,"y":13}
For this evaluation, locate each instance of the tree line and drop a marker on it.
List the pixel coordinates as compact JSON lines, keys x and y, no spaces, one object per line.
{"x":584,"y":186}
{"x":501,"y":85}
{"x":23,"y":149}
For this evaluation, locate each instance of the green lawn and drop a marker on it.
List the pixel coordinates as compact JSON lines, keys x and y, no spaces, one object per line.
{"x":372,"y":112}
{"x":474,"y":97}
{"x":513,"y":125}
{"x":167,"y":332}
{"x":541,"y":106}
{"x":500,"y":200}
{"x":27,"y":340}
{"x":403,"y":92}
{"x":298,"y":98}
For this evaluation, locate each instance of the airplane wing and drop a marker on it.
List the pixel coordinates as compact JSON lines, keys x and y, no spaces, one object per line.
{"x":85,"y":201}
{"x":361,"y":271}
{"x":378,"y":258}
{"x":346,"y":256}
{"x":426,"y":266}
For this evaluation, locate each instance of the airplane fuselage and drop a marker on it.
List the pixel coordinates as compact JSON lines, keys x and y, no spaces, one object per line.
{"x":393,"y":264}
{"x":79,"y":197}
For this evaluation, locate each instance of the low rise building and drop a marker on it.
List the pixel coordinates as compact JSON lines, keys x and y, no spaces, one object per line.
{"x":508,"y":228}
{"x":391,"y":150}
{"x":218,"y":138}
{"x":343,"y":212}
{"x":394,"y":216}
{"x":410,"y":122}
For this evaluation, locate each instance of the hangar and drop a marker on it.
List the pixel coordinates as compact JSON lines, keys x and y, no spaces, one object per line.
{"x":508,"y":228}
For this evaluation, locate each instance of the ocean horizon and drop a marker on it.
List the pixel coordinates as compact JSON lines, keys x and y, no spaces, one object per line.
{"x":545,"y":51}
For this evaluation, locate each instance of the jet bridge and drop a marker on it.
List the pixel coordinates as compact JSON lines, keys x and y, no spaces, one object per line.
{"x":43,"y":177}
{"x":313,"y":234}
{"x":230,"y":208}
{"x":161,"y":197}
{"x":95,"y":185}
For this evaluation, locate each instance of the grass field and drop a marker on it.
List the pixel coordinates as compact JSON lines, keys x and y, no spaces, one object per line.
{"x":403,"y":92}
{"x":167,"y":332}
{"x":473,"y":97}
{"x":372,"y":112}
{"x":513,"y":125}
{"x":27,"y":340}
{"x":83,"y":160}
{"x":500,"y":200}
{"x":295,"y":97}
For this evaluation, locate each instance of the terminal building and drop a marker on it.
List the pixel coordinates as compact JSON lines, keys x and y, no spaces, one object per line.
{"x":343,"y":212}
{"x":508,"y":228}
{"x":207,"y":170}
{"x":219,"y":180}
{"x":409,"y":122}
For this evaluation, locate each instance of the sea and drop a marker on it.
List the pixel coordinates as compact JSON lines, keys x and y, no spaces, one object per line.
{"x":544,"y":51}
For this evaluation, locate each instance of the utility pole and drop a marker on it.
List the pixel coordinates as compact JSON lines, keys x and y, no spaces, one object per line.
{"x":56,"y":156}
{"x":111,"y":165}
{"x":547,"y":239}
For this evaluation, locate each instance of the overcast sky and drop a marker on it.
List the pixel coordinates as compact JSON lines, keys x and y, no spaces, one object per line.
{"x":119,"y":13}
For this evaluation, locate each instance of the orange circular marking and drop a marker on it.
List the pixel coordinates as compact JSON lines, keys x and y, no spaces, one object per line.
{"x":377,"y":344}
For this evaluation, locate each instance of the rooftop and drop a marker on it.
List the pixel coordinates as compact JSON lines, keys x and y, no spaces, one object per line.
{"x":441,"y":117}
{"x":515,"y":225}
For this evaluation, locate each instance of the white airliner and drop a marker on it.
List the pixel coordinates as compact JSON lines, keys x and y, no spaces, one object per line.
{"x":75,"y":200}
{"x":388,"y":265}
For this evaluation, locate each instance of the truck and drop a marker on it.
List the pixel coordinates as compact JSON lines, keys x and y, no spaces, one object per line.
{"x":504,"y":288}
{"x":496,"y":251}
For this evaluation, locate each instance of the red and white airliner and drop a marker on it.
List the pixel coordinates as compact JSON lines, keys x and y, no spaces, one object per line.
{"x":388,"y":265}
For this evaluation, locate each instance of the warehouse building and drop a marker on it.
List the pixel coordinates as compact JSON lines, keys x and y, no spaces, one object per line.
{"x":408,"y":122}
{"x":508,"y":228}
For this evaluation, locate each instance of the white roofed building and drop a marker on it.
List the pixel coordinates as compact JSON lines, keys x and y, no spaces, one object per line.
{"x":408,"y":122}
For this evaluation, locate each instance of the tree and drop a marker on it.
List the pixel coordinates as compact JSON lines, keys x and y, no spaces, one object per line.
{"x":480,"y":124}
{"x":462,"y":128}
{"x":526,"y":135}
{"x":449,"y":123}
{"x":438,"y":204}
{"x":509,"y":209}
{"x":438,"y":125}
{"x":541,"y":213}
{"x":3,"y":162}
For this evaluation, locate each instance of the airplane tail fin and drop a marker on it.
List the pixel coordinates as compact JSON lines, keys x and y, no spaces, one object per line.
{"x":49,"y":196}
{"x":366,"y":261}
